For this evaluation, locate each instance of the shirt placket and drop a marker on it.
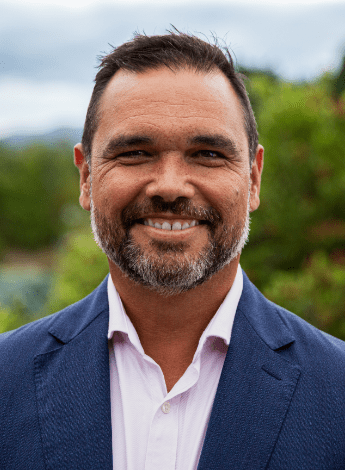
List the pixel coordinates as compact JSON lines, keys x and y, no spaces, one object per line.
{"x":162,"y":444}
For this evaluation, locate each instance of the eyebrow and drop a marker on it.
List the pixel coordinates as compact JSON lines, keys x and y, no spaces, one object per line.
{"x":217,"y":141}
{"x":212,"y":140}
{"x":124,"y":142}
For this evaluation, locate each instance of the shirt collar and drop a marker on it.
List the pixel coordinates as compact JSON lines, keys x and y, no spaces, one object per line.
{"x":220,"y":325}
{"x":118,"y":318}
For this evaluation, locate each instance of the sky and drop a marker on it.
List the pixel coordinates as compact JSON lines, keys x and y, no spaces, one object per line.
{"x":49,"y":49}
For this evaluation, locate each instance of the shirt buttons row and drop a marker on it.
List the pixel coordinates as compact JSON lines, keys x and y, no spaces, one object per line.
{"x":166,"y":407}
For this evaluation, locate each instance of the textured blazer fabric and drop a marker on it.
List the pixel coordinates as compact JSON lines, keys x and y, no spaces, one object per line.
{"x":280,"y":402}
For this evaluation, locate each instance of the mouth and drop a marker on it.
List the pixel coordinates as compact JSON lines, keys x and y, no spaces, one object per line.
{"x":171,"y":224}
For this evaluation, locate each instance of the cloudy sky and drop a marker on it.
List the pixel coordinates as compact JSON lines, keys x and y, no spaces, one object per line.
{"x":49,"y":49}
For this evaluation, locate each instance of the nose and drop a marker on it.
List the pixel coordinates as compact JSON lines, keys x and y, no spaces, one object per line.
{"x":171,"y":179}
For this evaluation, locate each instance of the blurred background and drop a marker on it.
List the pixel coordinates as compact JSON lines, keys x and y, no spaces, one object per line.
{"x":293,"y":56}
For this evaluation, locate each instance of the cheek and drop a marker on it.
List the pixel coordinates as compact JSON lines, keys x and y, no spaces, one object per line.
{"x":228,"y":197}
{"x":117,"y":190}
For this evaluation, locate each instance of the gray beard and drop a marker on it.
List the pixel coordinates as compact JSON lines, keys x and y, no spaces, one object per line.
{"x":165,"y":267}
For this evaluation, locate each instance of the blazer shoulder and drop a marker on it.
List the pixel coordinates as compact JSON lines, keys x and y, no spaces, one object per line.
{"x":291,"y":336}
{"x":320,"y":355}
{"x":313,"y":343}
{"x":40,"y":336}
{"x":26,"y":337}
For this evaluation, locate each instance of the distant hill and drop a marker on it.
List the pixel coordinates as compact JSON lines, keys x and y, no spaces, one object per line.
{"x":71,"y":135}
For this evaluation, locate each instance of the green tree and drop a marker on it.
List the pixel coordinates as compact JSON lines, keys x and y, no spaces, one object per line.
{"x":316,"y":293}
{"x":80,"y":267}
{"x":302,"y":203}
{"x":38,"y":188}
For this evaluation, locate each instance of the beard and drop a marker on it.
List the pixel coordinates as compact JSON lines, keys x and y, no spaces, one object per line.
{"x":166,"y":267}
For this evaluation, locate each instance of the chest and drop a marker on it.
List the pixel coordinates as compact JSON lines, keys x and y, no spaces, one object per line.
{"x":159,"y":419}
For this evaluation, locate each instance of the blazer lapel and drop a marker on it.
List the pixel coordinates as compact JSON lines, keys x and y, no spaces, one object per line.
{"x":255,"y":389}
{"x":73,"y":388}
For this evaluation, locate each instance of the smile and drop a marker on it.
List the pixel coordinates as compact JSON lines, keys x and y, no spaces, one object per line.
{"x":172,"y":225}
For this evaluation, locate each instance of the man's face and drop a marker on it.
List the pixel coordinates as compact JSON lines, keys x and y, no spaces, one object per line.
{"x":171,"y":183}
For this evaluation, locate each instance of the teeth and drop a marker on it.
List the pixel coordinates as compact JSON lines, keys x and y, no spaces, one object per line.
{"x":176,"y":226}
{"x":168,"y":226}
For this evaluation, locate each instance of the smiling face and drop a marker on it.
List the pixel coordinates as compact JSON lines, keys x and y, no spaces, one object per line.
{"x":171,"y":183}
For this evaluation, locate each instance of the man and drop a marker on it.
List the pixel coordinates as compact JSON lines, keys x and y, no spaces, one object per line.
{"x":175,"y":361}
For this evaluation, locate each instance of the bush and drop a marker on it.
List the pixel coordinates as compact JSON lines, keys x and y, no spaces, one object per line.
{"x":13,"y":317}
{"x":316,"y":293}
{"x":302,"y":194}
{"x":81,"y":266}
{"x":37,"y":186}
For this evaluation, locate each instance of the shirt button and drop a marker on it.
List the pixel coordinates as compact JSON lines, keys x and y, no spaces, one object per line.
{"x":166,"y":407}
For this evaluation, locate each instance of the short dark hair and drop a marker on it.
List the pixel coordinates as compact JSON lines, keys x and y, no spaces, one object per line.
{"x":175,"y":50}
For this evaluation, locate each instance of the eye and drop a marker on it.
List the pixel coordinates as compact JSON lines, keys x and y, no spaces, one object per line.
{"x":212,"y":154}
{"x":209,"y":157}
{"x":134,"y":153}
{"x":133,"y":157}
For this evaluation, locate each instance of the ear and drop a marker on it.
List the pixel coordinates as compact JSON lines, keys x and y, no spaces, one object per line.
{"x":84,"y":171}
{"x":255,"y":177}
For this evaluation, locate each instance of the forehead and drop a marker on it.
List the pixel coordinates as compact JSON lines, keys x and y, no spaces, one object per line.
{"x":169,"y":103}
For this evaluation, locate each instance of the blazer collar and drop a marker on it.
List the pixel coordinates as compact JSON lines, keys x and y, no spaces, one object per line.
{"x":264,"y":316}
{"x":75,"y":318}
{"x":73,"y":387}
{"x":255,"y":388}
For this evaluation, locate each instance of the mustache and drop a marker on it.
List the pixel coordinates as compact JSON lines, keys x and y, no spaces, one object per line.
{"x":181,"y":206}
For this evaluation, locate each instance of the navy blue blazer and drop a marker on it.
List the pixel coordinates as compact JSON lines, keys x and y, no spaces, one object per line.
{"x":280,"y":402}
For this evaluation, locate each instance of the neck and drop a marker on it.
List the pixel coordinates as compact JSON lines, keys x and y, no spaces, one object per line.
{"x":169,"y":328}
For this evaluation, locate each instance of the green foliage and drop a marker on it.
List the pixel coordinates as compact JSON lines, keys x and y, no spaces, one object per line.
{"x":80,"y":267}
{"x":38,"y":185}
{"x":316,"y":293}
{"x":302,"y":194}
{"x":13,"y":317}
{"x":339,"y":82}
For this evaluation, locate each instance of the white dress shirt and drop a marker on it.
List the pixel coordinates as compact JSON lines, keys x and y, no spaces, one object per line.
{"x":153,"y":429}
